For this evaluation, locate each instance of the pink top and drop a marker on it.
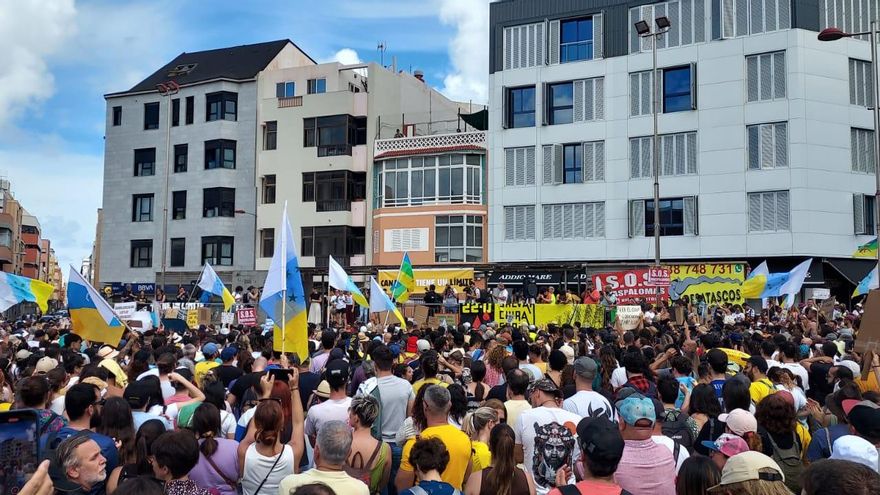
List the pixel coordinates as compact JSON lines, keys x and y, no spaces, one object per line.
{"x":646,"y":468}
{"x":493,"y":376}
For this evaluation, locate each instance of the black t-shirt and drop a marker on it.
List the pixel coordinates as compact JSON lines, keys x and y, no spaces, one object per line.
{"x":308,"y":382}
{"x":819,"y":386}
{"x":711,"y":430}
{"x":244,"y":382}
{"x":498,"y":392}
{"x":227,"y":373}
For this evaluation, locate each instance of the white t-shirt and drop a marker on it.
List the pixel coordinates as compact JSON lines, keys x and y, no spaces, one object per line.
{"x":57,"y":406}
{"x":329,"y":410}
{"x":532,"y":370}
{"x":257,"y":466}
{"x":548,"y":441}
{"x":670,"y":444}
{"x":587,"y":403}
{"x":800,"y":371}
{"x":618,"y":377}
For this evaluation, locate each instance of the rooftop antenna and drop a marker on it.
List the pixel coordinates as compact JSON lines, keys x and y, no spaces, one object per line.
{"x":381,"y":49}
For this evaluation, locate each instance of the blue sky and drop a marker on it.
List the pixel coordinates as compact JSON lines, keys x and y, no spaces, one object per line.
{"x":61,"y":56}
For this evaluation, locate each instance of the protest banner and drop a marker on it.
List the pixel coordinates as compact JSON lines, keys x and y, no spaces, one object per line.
{"x":629,"y":286}
{"x":540,"y":315}
{"x":192,"y":318}
{"x":459,"y":278}
{"x":628,"y":316}
{"x":717,"y":283}
{"x":247,"y":316}
{"x":227,"y":318}
{"x":125,"y":310}
{"x":868,"y":338}
{"x":420,"y":315}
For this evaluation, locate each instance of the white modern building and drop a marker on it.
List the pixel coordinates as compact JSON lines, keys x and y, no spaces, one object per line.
{"x":765,"y":132}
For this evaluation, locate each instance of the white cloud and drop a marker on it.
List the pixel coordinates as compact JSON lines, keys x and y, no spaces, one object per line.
{"x":468,"y":49}
{"x":346,"y":56}
{"x":30,"y":31}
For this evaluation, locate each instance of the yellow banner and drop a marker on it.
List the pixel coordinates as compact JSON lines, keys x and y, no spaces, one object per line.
{"x":459,"y":278}
{"x":540,"y":315}
{"x":718,"y":283}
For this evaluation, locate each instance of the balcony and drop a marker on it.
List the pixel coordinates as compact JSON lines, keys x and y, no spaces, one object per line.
{"x":335,"y":150}
{"x":457,"y":141}
{"x":293,"y":101}
{"x":332,"y":205}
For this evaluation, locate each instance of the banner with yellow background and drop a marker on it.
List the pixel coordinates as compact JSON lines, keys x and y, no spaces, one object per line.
{"x":540,"y":315}
{"x":459,"y":278}
{"x":718,"y":283}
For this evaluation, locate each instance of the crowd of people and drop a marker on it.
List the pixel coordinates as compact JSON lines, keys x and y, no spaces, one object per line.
{"x":741,"y":401}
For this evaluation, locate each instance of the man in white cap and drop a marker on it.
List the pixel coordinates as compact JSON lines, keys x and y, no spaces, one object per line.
{"x":856,"y":449}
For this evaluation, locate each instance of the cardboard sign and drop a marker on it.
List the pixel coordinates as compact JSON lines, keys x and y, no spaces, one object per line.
{"x":868,"y":338}
{"x":192,"y":318}
{"x":628,"y":316}
{"x":227,"y":318}
{"x":818,"y":294}
{"x":247,"y":316}
{"x":125,"y":310}
{"x":420,"y":315}
{"x":827,"y":307}
{"x":658,"y":276}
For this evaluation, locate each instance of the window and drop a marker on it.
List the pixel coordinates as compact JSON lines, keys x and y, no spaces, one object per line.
{"x":217,"y":250}
{"x":678,"y":86}
{"x":267,"y":243}
{"x":285,"y":89}
{"x":766,"y":76}
{"x":861,"y":84}
{"x":151,"y":115}
{"x":443,"y":179}
{"x":594,"y":161}
{"x":270,"y":135}
{"x":572,"y":164}
{"x":768,"y":211}
{"x":317,"y":86}
{"x":733,"y":18}
{"x":850,"y":17}
{"x":178,"y":205}
{"x":181,"y":152}
{"x":142,"y":253}
{"x":688,"y":19}
{"x":519,"y":166}
{"x":175,"y":112}
{"x":678,"y":216}
{"x":640,"y":93}
{"x":178,"y":251}
{"x":401,"y":240}
{"x":520,"y":107}
{"x":222,"y":105}
{"x":142,"y":208}
{"x":561,"y":105}
{"x":339,"y":241}
{"x":862,"y":150}
{"x":219,"y":153}
{"x":117,"y":116}
{"x":6,"y":237}
{"x":269,"y":189}
{"x":335,"y":134}
{"x":218,"y":202}
{"x":577,"y":40}
{"x":768,"y":145}
{"x":519,"y":223}
{"x":678,"y":155}
{"x":334,"y":191}
{"x":863,"y":214}
{"x":574,"y":221}
{"x":524,"y":46}
{"x":458,"y":239}
{"x":144,"y":162}
{"x":190,"y":109}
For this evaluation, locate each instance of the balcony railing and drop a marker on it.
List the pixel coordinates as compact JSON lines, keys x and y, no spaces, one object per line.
{"x":293,"y":101}
{"x":418,"y":143}
{"x":334,"y":150}
{"x":333,"y":205}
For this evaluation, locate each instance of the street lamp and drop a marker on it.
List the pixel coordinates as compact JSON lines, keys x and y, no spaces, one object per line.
{"x":834,"y":34}
{"x":166,"y":90}
{"x":644,"y":31}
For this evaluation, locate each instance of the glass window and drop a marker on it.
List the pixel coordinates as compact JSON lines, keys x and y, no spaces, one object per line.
{"x":142,"y":253}
{"x":219,"y":153}
{"x":677,"y":89}
{"x":190,"y":109}
{"x":521,"y":107}
{"x":217,"y":250}
{"x":151,"y":115}
{"x":5,"y":237}
{"x":222,"y":105}
{"x":142,"y":208}
{"x":286,"y":89}
{"x":267,"y":243}
{"x":117,"y":116}
{"x":269,"y":189}
{"x":576,"y":42}
{"x":458,"y":239}
{"x":671,"y":217}
{"x":144,"y":162}
{"x":317,"y":86}
{"x":218,"y":202}
{"x":561,"y":99}
{"x":181,"y":151}
{"x":444,"y":179}
{"x":175,"y":112}
{"x":178,"y":205}
{"x":572,"y":164}
{"x":270,"y":135}
{"x":178,"y":251}
{"x":338,"y":241}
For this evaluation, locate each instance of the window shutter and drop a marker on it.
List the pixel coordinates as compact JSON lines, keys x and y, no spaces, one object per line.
{"x":508,"y":48}
{"x":547,"y":163}
{"x":634,"y":41}
{"x":505,"y":110}
{"x":635,"y":154}
{"x":781,"y":144}
{"x":582,"y":220}
{"x":868,"y":140}
{"x":755,"y":212}
{"x":520,"y":167}
{"x":637,"y":218}
{"x":742,"y":17}
{"x":530,"y":222}
{"x":693,"y":86}
{"x":855,"y":90}
{"x":765,"y":63}
{"x":545,"y":104}
{"x":660,"y":11}
{"x":598,"y":33}
{"x":647,"y":15}
{"x":590,"y":99}
{"x":540,"y":58}
{"x":599,"y":160}
{"x":783,"y":213}
{"x":530,"y":45}
{"x":687,"y":21}
{"x":578,"y":101}
{"x":766,"y":146}
{"x":523,"y":46}
{"x":635,"y":94}
{"x":548,"y":221}
{"x":509,"y":167}
{"x":690,"y":215}
{"x":646,"y":91}
{"x":667,"y":145}
{"x":859,"y":214}
{"x":554,"y":42}
{"x":854,"y":149}
{"x":558,"y":173}
{"x":779,"y":74}
{"x":567,"y":220}
{"x":529,"y":166}
{"x":691,"y":152}
{"x":727,"y":19}
{"x":784,"y":19}
{"x":752,"y":70}
{"x":599,"y":98}
{"x":589,"y":167}
{"x":647,"y":156}
{"x":599,"y":216}
{"x":509,"y":218}
{"x":754,"y":147}
{"x":768,"y":211}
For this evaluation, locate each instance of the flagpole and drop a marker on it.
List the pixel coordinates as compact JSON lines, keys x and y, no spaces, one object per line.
{"x":284,"y":279}
{"x":396,"y":282}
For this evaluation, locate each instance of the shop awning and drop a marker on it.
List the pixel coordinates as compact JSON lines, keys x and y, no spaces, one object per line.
{"x":521,"y":277}
{"x":816,"y":275}
{"x":852,"y":270}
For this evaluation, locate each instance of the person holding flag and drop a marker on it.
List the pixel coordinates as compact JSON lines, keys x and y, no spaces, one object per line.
{"x":405,"y":283}
{"x":379,"y":301}
{"x":211,"y":284}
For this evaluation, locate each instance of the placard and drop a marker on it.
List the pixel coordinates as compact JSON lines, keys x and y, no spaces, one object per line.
{"x":658,"y":276}
{"x":827,"y":307}
{"x":628,"y":316}
{"x":540,"y":315}
{"x":868,"y":338}
{"x":420,"y":315}
{"x":192,"y":318}
{"x":227,"y":318}
{"x":459,"y":278}
{"x":247,"y":316}
{"x":125,"y":310}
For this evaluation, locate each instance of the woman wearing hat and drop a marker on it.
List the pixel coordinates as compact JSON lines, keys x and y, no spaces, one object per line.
{"x":751,"y":473}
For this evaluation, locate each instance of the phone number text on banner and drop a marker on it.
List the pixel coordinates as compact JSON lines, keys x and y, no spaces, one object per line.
{"x":717,"y":283}
{"x":540,"y":315}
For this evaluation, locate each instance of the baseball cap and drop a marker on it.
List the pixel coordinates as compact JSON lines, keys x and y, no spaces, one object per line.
{"x":600,"y":440}
{"x":864,"y":416}
{"x":728,"y":444}
{"x":323,"y":390}
{"x":739,"y":421}
{"x":759,"y":362}
{"x":585,"y":367}
{"x":107,"y":352}
{"x":545,"y":385}
{"x":336,"y":372}
{"x":136,"y":394}
{"x":635,"y":408}
{"x":209,"y":349}
{"x":569,"y":353}
{"x":855,"y":449}
{"x":23,"y":354}
{"x":45,"y":365}
{"x":423,"y":345}
{"x":228,"y":353}
{"x":748,"y":466}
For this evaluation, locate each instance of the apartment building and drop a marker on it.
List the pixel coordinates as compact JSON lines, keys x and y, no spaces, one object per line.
{"x":11,"y":216}
{"x":33,"y":249}
{"x":765,"y":132}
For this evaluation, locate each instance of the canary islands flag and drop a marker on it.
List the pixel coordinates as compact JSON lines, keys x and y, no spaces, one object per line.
{"x":340,"y":280}
{"x":405,"y":283}
{"x":379,"y":301}
{"x":753,"y":287}
{"x":15,"y":289}
{"x":867,"y":250}
{"x":867,"y":284}
{"x":283,"y":299}
{"x":92,"y":318}
{"x":210,"y":283}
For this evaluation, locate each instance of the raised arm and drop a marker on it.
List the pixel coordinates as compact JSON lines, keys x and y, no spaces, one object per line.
{"x":194,"y":392}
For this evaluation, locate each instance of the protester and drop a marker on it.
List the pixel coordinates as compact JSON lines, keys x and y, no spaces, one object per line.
{"x":429,"y":458}
{"x":751,"y":473}
{"x":217,"y":469}
{"x":78,"y":466}
{"x":696,"y":476}
{"x":331,"y":452}
{"x":601,"y":446}
{"x":502,"y":476}
{"x":370,"y":459}
{"x":839,"y":476}
{"x":646,"y":467}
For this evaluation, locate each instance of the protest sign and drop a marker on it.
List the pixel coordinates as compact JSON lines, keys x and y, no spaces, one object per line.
{"x":869,"y":329}
{"x":227,"y":318}
{"x":458,"y":278}
{"x":125,"y":310}
{"x":628,"y":316}
{"x":247,"y":316}
{"x":192,"y":318}
{"x":540,"y":315}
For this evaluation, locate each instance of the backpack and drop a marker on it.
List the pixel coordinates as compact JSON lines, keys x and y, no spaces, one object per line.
{"x":789,"y":461}
{"x":46,"y":438}
{"x":573,"y":490}
{"x":675,"y":427}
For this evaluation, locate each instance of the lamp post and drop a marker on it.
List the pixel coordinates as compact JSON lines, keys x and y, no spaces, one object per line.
{"x":166,"y":90}
{"x":644,"y":31}
{"x":834,"y":34}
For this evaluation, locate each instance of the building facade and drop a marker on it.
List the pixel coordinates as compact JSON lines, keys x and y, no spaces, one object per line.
{"x":33,"y":249}
{"x":11,"y":216}
{"x":765,"y":132}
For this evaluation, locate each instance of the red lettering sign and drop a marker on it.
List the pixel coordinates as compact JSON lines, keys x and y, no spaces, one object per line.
{"x":247,"y":316}
{"x":658,"y":276}
{"x":629,"y":286}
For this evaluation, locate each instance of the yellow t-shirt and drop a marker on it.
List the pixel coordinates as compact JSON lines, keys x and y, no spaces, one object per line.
{"x":481,"y":458}
{"x":805,"y":438}
{"x":760,"y":389}
{"x":202,"y":369}
{"x":428,"y":381}
{"x":870,"y":384}
{"x":541,"y":366}
{"x":457,"y":444}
